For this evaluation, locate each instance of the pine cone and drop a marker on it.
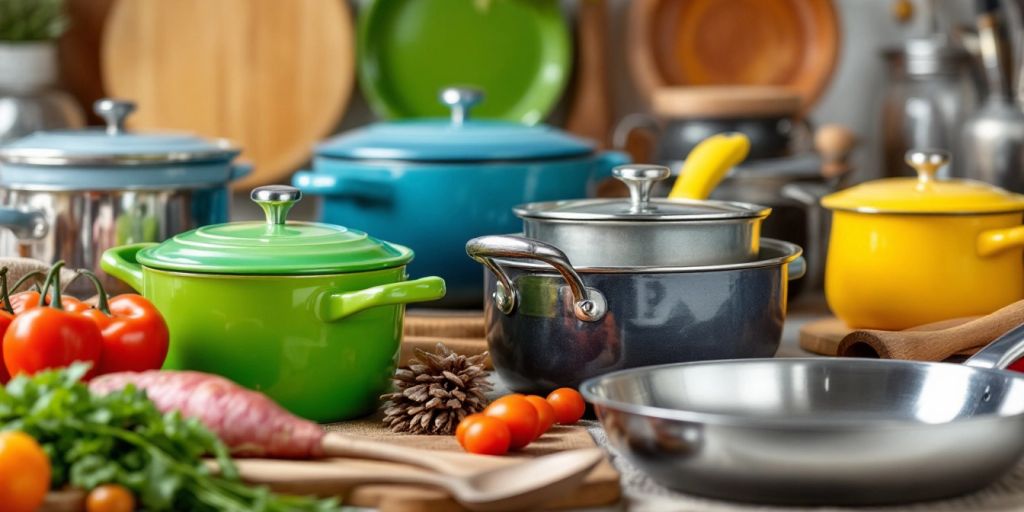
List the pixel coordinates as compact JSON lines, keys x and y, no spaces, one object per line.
{"x":435,"y":392}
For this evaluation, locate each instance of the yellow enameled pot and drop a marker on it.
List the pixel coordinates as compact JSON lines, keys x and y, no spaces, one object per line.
{"x":910,"y":251}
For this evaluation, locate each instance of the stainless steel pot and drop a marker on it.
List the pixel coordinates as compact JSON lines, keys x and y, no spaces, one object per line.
{"x":551,"y":324}
{"x":645,"y":231}
{"x":70,"y":195}
{"x":819,"y":431}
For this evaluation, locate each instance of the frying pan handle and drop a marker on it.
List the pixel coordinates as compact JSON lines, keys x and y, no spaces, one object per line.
{"x":588,"y":304}
{"x":631,"y":123}
{"x":1000,"y":353}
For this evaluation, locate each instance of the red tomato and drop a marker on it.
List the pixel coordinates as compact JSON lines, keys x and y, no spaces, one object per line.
{"x":24,"y":301}
{"x":568,"y":404}
{"x":1017,"y":366}
{"x":5,"y":322}
{"x":484,"y":435}
{"x":545,"y":413}
{"x":134,"y":335}
{"x":520,"y":416}
{"x":47,"y":337}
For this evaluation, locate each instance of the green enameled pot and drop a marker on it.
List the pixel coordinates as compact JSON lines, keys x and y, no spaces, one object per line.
{"x":310,"y":314}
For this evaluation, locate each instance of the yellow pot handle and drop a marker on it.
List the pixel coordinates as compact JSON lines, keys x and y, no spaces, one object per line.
{"x":994,"y":241}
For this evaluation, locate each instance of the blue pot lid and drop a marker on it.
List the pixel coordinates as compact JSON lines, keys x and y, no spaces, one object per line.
{"x":113,"y":146}
{"x":456,"y":139}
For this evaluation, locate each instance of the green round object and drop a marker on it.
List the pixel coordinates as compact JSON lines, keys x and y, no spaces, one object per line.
{"x":518,"y":52}
{"x":274,"y":247}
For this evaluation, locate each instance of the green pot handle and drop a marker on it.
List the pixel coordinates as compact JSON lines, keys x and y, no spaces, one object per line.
{"x":336,"y":306}
{"x":120,"y":262}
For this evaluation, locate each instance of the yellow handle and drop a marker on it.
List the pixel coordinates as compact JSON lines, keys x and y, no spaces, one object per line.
{"x":994,"y":241}
{"x":708,"y":163}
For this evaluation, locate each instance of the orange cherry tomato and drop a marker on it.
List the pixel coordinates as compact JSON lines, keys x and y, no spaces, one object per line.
{"x":545,"y":413}
{"x":110,"y":498}
{"x":24,"y":473}
{"x":520,"y":416}
{"x":568,"y":404}
{"x":483,"y":435}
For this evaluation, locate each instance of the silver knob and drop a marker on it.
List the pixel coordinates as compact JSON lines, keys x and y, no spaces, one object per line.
{"x":114,"y":112}
{"x":640,"y":180}
{"x":276,"y":201}
{"x":460,"y":100}
{"x":927,"y":163}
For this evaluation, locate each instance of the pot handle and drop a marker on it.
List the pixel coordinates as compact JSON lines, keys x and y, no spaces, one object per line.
{"x":1000,"y":353}
{"x":121,"y":263}
{"x":631,"y":123}
{"x":239,"y":171}
{"x":797,"y":268}
{"x":356,"y":188}
{"x":25,"y":224}
{"x":994,"y":241}
{"x":337,"y":305}
{"x":588,"y":304}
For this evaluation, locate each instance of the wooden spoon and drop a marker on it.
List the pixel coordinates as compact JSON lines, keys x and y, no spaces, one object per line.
{"x":516,"y":486}
{"x":936,"y":345}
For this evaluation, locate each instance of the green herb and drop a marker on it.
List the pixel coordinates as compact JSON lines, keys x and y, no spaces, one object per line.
{"x":32,"y":20}
{"x":122,"y":438}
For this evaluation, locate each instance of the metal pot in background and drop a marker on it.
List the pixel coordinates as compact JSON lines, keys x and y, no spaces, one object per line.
{"x":29,"y":98}
{"x":553,"y":324}
{"x":685,"y":116}
{"x":71,"y":195}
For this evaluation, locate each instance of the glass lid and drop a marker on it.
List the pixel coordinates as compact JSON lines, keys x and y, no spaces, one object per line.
{"x":640,"y":179}
{"x":925,"y":194}
{"x":114,"y":145}
{"x":274,"y":247}
{"x":458,"y":139}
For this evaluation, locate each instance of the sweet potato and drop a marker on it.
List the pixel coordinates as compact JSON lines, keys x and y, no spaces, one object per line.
{"x":249,"y":422}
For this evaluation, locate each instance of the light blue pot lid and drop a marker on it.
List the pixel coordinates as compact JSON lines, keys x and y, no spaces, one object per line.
{"x":113,"y":145}
{"x":455,"y":139}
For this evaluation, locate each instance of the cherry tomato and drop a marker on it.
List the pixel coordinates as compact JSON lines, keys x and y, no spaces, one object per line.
{"x":24,"y":473}
{"x":568,"y":404}
{"x":47,"y":337}
{"x":520,"y":416}
{"x":5,"y":322}
{"x":545,"y":414}
{"x":110,"y":498}
{"x":134,"y":335}
{"x":483,"y":435}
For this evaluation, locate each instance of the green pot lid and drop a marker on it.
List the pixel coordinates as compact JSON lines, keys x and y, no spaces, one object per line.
{"x":458,"y":139}
{"x":113,"y":145}
{"x":274,"y":247}
{"x":519,"y":51}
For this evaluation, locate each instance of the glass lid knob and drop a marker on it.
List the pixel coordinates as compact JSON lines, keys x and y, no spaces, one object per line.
{"x":927,"y":163}
{"x":276,"y":201}
{"x":640,"y":180}
{"x":114,"y":112}
{"x":460,"y":100}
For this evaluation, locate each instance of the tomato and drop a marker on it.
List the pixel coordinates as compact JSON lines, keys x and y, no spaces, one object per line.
{"x":1017,"y":366}
{"x":483,"y":435}
{"x":48,"y":337}
{"x":24,"y":473}
{"x":5,"y":322}
{"x":110,"y":498}
{"x":545,"y":414}
{"x":24,"y":301}
{"x":520,"y":416}
{"x":135,"y":335}
{"x":568,"y":404}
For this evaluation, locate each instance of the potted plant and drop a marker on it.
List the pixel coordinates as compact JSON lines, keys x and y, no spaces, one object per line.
{"x":29,"y":99}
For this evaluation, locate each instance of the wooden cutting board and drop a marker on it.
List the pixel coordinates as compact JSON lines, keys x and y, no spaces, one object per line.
{"x":792,"y":43}
{"x":823,"y":336}
{"x":273,"y":76}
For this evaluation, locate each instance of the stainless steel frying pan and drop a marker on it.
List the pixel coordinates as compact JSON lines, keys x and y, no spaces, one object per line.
{"x":820,"y":430}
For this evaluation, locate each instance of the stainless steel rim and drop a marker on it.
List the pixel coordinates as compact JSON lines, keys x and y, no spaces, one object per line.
{"x":788,"y":252}
{"x":56,"y":157}
{"x":589,"y":390}
{"x":731,"y":210}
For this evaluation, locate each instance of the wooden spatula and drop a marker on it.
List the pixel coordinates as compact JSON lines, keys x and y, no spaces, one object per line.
{"x":935,"y":345}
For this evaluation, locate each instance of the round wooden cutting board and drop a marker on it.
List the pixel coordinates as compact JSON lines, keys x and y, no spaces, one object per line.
{"x":791,"y":43}
{"x":273,"y":76}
